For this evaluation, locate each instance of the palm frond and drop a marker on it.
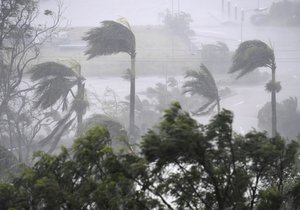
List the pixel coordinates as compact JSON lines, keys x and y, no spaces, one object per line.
{"x":75,"y":66}
{"x":50,"y":69}
{"x":54,"y":82}
{"x":59,"y":135}
{"x":111,"y":38}
{"x":57,"y":129}
{"x":50,"y":91}
{"x":250,"y":55}
{"x":201,"y":83}
{"x":205,"y":108}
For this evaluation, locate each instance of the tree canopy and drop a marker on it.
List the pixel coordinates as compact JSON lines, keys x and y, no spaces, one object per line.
{"x":111,"y":38}
{"x":250,"y":55}
{"x":183,"y":165}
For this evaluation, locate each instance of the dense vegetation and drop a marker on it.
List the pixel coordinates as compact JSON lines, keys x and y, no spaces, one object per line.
{"x":182,"y":165}
{"x":155,"y":158}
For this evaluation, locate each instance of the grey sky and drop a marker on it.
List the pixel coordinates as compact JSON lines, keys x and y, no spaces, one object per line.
{"x":143,"y":12}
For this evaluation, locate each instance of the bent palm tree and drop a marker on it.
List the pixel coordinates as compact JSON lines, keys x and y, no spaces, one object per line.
{"x":112,"y":38}
{"x":55,"y":82}
{"x":203,"y":83}
{"x":251,"y":55}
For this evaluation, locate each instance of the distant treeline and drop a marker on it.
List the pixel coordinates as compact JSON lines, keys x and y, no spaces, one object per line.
{"x":284,"y":13}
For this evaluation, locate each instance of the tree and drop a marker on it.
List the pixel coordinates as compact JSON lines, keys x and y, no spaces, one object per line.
{"x":21,"y":37}
{"x":294,"y":195}
{"x":271,"y":164}
{"x":12,"y":198}
{"x":87,"y":176}
{"x":112,"y":38}
{"x":251,"y":55}
{"x":210,"y":167}
{"x":202,"y":83}
{"x":119,"y":140}
{"x":197,"y":165}
{"x":183,"y":165}
{"x":55,"y":82}
{"x":20,"y":40}
{"x":289,"y":124}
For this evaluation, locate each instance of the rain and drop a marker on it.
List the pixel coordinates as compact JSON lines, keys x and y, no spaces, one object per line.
{"x":213,"y":22}
{"x":68,"y":66}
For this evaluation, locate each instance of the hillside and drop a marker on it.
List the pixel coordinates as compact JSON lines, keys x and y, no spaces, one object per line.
{"x":158,"y":52}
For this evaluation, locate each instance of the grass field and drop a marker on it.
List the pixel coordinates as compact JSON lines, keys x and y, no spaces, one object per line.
{"x":158,"y":52}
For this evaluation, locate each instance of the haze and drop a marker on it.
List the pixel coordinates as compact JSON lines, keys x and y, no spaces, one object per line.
{"x":210,"y":25}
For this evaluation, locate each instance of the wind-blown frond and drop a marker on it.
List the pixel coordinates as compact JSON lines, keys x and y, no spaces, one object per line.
{"x":202,"y":83}
{"x":111,"y":38}
{"x":56,"y":130}
{"x":59,"y":134}
{"x":54,"y":83}
{"x":250,"y":55}
{"x":75,"y":66}
{"x":205,"y":108}
{"x":50,"y":69}
{"x":50,"y":91}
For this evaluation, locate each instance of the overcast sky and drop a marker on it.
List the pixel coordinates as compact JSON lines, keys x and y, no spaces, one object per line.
{"x":142,"y":12}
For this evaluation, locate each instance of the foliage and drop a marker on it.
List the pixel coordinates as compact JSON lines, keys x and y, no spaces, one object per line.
{"x":111,"y":38}
{"x":8,"y":164}
{"x":20,"y":40}
{"x":89,"y":176}
{"x":157,"y":99}
{"x":54,"y":83}
{"x":12,"y":198}
{"x":202,"y":83}
{"x":273,"y":86}
{"x":250,"y":55}
{"x":117,"y":132}
{"x":150,"y":104}
{"x":288,"y":118}
{"x":208,"y":167}
{"x":183,"y":165}
{"x":294,"y":195}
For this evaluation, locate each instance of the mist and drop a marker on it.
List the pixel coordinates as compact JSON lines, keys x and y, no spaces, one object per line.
{"x":172,"y":38}
{"x":149,"y":104}
{"x":210,"y":24}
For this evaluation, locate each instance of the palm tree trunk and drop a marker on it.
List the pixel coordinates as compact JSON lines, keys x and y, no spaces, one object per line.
{"x":132,"y":98}
{"x":79,"y":112}
{"x":79,"y":122}
{"x":273,"y":103}
{"x":218,"y":104}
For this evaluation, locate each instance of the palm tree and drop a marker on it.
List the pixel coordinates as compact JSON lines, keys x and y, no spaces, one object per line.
{"x":55,"y":83}
{"x":112,"y":38}
{"x":251,"y":55}
{"x":203,"y":83}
